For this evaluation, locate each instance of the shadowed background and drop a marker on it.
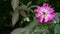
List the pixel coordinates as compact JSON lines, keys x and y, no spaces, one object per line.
{"x":6,"y":13}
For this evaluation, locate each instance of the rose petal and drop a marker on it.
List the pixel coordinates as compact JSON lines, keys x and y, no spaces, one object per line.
{"x":46,"y":19}
{"x":37,"y":15}
{"x":45,"y":5}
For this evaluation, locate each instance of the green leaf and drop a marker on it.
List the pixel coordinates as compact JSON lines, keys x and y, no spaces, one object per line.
{"x":58,"y":14}
{"x":14,"y":4}
{"x":18,"y":31}
{"x":29,"y":3}
{"x":57,"y":29}
{"x":32,"y":24}
{"x":15,"y":18}
{"x":33,"y":6}
{"x":22,"y":13}
{"x":40,"y":30}
{"x":56,"y":20}
{"x":53,"y":22}
{"x":23,"y":7}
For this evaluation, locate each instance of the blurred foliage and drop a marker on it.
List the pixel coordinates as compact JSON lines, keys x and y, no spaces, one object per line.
{"x":6,"y":12}
{"x":6,"y":9}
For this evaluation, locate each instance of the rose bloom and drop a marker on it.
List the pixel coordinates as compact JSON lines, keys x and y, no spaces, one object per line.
{"x":44,"y":13}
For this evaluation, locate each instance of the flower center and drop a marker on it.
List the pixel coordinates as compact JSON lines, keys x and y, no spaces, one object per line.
{"x":44,"y":13}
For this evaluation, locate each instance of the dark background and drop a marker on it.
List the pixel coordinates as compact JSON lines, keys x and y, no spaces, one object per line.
{"x":6,"y":12}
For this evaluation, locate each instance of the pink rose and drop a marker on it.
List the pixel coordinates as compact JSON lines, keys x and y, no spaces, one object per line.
{"x":44,"y":13}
